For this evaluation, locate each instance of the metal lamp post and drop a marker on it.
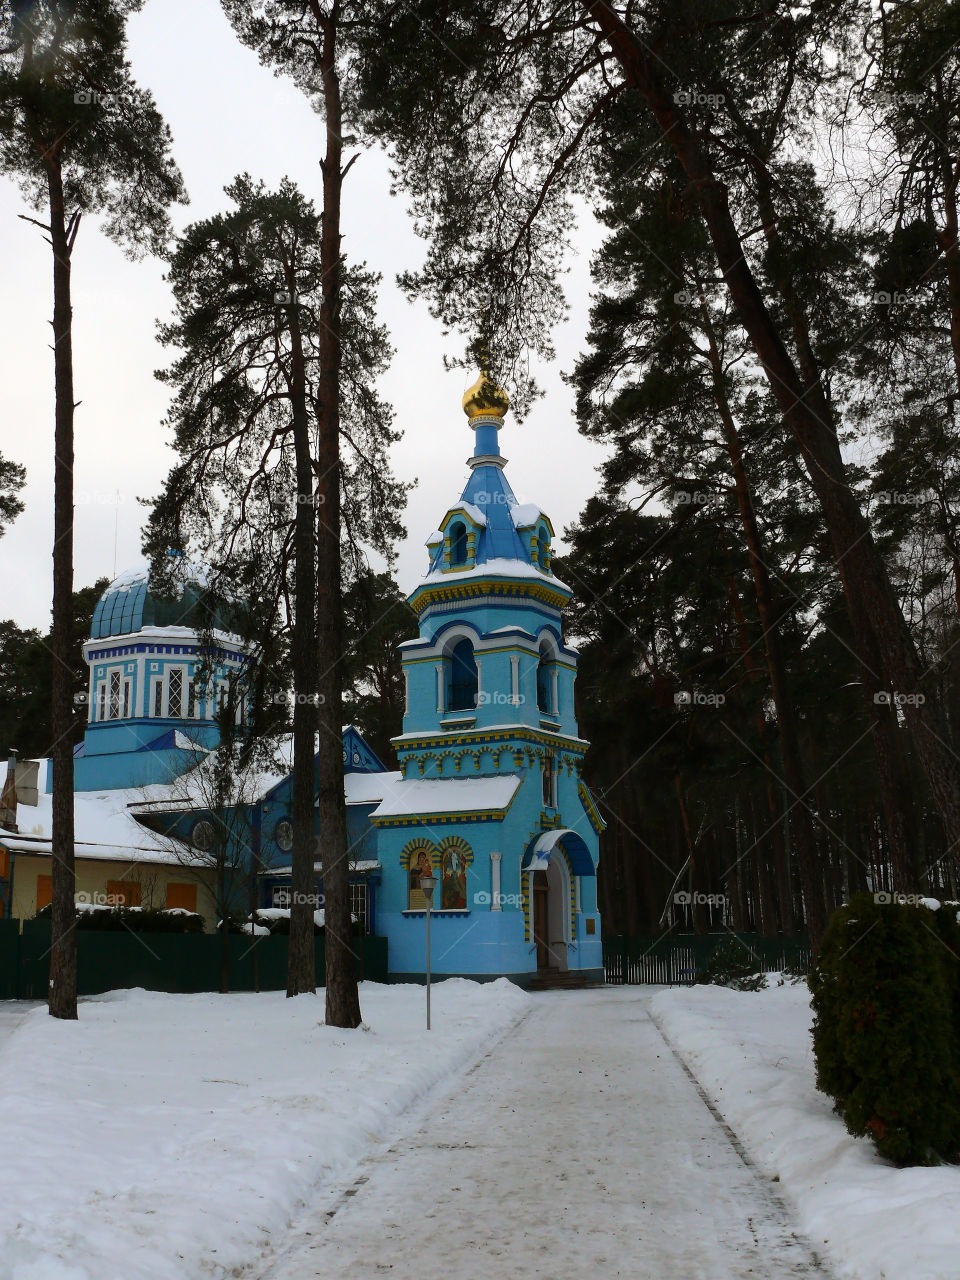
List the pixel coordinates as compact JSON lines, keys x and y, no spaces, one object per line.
{"x":427,"y":886}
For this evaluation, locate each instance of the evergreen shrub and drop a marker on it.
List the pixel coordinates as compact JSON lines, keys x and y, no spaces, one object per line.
{"x":732,"y":964}
{"x":886,"y":1032}
{"x":135,"y":920}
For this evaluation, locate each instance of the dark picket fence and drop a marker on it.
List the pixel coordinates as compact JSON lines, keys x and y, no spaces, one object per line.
{"x":678,"y":959}
{"x":180,"y":962}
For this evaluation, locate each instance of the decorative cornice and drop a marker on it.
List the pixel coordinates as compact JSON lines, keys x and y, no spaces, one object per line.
{"x":492,"y":739}
{"x":439,"y":819}
{"x":517,"y":588}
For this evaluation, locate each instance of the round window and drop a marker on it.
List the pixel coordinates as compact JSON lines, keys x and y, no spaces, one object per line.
{"x":201,"y":837}
{"x":283,"y":834}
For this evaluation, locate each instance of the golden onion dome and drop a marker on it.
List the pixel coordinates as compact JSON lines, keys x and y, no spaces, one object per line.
{"x":485,"y":399}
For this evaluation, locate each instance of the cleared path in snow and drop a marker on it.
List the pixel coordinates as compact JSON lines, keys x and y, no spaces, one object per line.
{"x":12,"y":1013}
{"x":577,"y":1146}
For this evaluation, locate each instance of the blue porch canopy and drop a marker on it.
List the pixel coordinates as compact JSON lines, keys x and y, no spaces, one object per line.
{"x":538,"y":851}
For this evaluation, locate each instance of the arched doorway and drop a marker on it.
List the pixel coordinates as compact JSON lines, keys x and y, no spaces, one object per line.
{"x":550,"y":906}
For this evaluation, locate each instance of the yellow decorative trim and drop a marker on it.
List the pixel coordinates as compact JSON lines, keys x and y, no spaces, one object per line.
{"x":591,"y":810}
{"x":456,"y":842}
{"x":468,"y":520}
{"x":496,"y":739}
{"x":525,"y":902}
{"x":415,"y":847}
{"x":433,"y":819}
{"x":470,"y":590}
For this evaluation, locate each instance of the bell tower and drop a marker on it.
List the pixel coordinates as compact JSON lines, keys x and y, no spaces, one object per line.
{"x":490,"y":654}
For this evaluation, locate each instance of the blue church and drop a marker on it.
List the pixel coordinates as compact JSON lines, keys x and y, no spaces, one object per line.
{"x":489,"y":794}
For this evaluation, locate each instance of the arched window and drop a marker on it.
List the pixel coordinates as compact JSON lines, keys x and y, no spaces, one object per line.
{"x":545,"y":682}
{"x":550,"y":781}
{"x":453,"y":879}
{"x":419,"y":863}
{"x":462,"y":689}
{"x":543,"y":548}
{"x":458,"y":543}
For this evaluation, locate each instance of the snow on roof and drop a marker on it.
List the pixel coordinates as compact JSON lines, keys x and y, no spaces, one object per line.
{"x":151,"y":849}
{"x":369,"y":788}
{"x":434,"y":538}
{"x":525,"y":514}
{"x":509,"y":569}
{"x":448,"y":795}
{"x":476,"y":515}
{"x":105,"y":827}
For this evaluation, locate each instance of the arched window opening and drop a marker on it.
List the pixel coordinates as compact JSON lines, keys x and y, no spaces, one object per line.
{"x":420,"y":865}
{"x":550,"y":782}
{"x":463,"y":678}
{"x":458,"y":543}
{"x":453,"y":881}
{"x":545,"y":682}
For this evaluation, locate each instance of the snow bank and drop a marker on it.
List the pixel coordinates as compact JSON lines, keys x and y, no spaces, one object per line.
{"x":169,"y":1137}
{"x":752,"y":1053}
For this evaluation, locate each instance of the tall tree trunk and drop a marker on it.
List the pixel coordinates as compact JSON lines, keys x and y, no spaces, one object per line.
{"x":62,"y":994}
{"x":732,"y":882}
{"x":801,"y":826}
{"x":224,"y":922}
{"x":806,"y":414}
{"x":343,"y":997}
{"x":882,"y":719}
{"x":781,"y":862}
{"x":301,"y":965}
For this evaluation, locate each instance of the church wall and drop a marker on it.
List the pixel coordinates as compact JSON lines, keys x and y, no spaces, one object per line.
{"x":130,"y":768}
{"x":480,"y":940}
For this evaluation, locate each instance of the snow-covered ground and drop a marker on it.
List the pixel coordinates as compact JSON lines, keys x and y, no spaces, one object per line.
{"x":752,"y":1054}
{"x":577,"y":1148}
{"x":172,"y":1137}
{"x":553,"y":1135}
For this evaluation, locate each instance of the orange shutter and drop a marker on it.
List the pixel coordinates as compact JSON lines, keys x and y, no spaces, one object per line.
{"x":4,"y":864}
{"x":44,"y":891}
{"x":126,"y":892}
{"x":182,"y":896}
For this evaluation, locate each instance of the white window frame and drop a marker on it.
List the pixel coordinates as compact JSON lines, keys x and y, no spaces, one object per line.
{"x":115,"y":694}
{"x":180,"y":673}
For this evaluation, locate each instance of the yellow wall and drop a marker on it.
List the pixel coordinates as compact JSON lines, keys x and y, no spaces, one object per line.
{"x":93,"y":876}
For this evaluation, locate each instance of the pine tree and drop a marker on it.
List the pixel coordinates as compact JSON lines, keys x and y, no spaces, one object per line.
{"x":250,"y":492}
{"x":495,"y":127}
{"x":80,"y":137}
{"x":12,"y":479}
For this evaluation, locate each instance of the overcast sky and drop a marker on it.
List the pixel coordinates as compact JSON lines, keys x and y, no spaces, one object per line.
{"x":228,"y":114}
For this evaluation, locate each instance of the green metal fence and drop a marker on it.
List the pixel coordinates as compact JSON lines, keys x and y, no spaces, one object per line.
{"x":9,"y":958}
{"x":161,"y":961}
{"x":678,"y":959}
